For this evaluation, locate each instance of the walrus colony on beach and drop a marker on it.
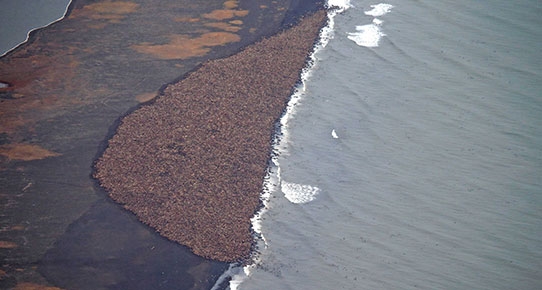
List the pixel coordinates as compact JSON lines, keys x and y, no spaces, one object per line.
{"x":191,"y":164}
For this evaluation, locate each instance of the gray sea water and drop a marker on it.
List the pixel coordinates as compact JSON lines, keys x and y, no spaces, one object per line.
{"x":413,"y":159}
{"x":18,"y":17}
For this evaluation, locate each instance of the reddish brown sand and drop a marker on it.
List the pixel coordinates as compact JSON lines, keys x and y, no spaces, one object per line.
{"x":192,"y":163}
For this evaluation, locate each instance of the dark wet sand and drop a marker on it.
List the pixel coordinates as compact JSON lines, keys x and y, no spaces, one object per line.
{"x":68,"y":87}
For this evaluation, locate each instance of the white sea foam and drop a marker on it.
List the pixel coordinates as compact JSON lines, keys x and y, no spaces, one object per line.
{"x":339,"y":6}
{"x":326,"y":34}
{"x":366,"y":35}
{"x":299,"y":193}
{"x":231,"y":272}
{"x":237,"y":273}
{"x":369,"y":35}
{"x":379,"y":9}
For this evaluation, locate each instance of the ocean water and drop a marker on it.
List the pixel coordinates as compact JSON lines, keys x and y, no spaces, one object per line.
{"x":412,"y":157}
{"x":19,"y":17}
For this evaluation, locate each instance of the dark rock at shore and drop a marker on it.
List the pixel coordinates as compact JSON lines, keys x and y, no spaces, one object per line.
{"x":191,"y":164}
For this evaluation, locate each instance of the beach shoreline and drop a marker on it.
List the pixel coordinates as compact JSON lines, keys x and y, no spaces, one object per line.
{"x":214,"y":97}
{"x":67,"y":88}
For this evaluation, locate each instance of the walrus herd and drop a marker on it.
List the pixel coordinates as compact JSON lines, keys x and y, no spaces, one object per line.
{"x":192,"y":162}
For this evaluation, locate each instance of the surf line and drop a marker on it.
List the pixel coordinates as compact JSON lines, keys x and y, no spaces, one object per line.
{"x":272,"y":181}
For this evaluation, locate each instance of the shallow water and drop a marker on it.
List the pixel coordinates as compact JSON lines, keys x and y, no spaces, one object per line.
{"x":17,"y":19}
{"x":425,"y":143}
